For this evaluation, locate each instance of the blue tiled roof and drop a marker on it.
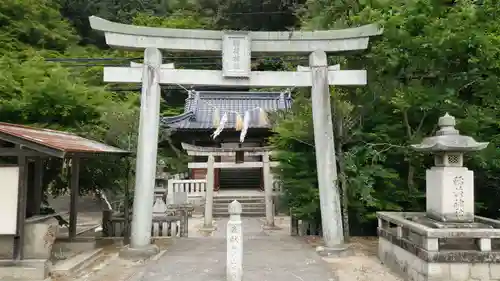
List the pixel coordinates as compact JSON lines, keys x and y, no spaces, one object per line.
{"x":200,"y":106}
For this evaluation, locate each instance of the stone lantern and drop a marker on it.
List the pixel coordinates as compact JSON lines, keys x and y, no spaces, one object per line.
{"x":449,"y":185}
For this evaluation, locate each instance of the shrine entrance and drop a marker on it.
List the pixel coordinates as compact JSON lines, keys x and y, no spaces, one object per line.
{"x":237,"y":170}
{"x":237,"y":48}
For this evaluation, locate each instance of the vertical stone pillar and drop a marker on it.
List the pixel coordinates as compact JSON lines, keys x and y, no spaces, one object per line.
{"x":268,"y":190}
{"x":331,"y":219}
{"x":209,"y":194}
{"x":147,"y":149}
{"x":234,"y":236}
{"x":170,"y":191}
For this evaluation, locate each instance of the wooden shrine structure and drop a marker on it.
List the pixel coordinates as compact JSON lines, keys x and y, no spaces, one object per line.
{"x":23,"y":151}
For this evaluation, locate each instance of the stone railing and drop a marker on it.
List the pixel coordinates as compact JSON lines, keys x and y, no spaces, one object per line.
{"x":179,"y":176}
{"x":114,"y":225}
{"x":410,"y":229}
{"x":277,"y":186}
{"x":193,"y":188}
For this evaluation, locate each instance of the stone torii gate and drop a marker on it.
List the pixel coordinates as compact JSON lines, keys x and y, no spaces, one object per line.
{"x":237,"y":48}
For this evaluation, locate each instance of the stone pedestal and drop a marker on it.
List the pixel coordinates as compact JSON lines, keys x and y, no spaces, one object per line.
{"x":418,"y":248}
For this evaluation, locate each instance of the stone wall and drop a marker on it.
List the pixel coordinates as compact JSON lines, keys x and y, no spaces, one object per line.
{"x":412,"y":268}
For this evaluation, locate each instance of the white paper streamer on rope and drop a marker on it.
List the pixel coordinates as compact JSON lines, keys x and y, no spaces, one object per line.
{"x":241,"y":124}
{"x":222,"y":123}
{"x":246,"y":124}
{"x":216,"y":117}
{"x":263,"y":120}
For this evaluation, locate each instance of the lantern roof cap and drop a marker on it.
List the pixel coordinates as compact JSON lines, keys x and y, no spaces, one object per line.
{"x":448,"y":139}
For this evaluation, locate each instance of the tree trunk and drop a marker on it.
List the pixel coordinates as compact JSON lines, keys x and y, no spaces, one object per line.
{"x":411,"y":169}
{"x":339,"y":128}
{"x":344,"y":187}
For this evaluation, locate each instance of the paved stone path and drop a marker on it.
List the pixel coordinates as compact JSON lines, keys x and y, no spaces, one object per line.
{"x":268,"y":256}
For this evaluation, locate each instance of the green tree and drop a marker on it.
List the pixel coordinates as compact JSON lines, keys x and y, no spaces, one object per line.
{"x":434,"y":57}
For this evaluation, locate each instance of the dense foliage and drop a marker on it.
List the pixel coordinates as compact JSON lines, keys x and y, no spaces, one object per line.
{"x":434,"y":57}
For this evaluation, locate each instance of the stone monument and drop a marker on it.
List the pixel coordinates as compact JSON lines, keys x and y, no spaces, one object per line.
{"x":234,"y":236}
{"x":447,"y":242}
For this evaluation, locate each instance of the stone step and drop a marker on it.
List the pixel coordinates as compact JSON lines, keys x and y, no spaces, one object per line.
{"x":244,"y":207}
{"x":247,"y":208}
{"x":76,"y":263}
{"x":249,"y":204}
{"x":241,"y":200}
{"x":243,"y":214}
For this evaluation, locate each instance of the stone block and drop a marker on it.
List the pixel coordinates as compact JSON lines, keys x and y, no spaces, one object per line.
{"x":459,"y":271}
{"x":24,"y":270}
{"x":431,"y":244}
{"x":484,"y":244}
{"x":480,"y":271}
{"x":413,"y":275}
{"x":418,"y":265}
{"x":39,"y":239}
{"x":494,"y":271}
{"x":438,"y":270}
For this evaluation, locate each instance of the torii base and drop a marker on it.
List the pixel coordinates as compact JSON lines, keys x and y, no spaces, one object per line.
{"x":142,"y":253}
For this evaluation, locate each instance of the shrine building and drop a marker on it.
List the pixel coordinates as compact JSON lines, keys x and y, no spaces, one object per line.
{"x":231,"y":126}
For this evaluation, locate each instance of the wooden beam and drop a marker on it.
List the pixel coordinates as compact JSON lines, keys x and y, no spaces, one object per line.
{"x":74,"y":192}
{"x":48,"y":151}
{"x":7,"y":151}
{"x":216,"y":78}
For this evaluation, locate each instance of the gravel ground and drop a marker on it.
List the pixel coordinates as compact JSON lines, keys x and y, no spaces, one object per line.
{"x":363,"y":265}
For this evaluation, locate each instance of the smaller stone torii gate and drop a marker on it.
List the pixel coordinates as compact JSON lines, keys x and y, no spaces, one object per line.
{"x":212,"y":152}
{"x":237,"y":48}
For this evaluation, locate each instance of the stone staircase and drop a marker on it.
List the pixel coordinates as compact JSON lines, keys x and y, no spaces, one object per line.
{"x":252,"y":206}
{"x":240,"y":178}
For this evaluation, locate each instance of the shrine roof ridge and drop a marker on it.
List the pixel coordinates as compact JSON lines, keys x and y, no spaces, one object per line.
{"x":201,"y":105}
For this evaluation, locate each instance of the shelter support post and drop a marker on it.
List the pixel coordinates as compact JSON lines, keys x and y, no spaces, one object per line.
{"x":38,"y":185}
{"x":209,"y":194}
{"x":18,"y":253}
{"x":268,"y":191}
{"x":74,"y":192}
{"x":331,"y":218}
{"x":142,"y":213}
{"x":126,"y":206}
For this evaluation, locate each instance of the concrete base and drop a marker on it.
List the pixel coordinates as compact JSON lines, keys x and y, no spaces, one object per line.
{"x":208,"y":229}
{"x":24,"y":270}
{"x":139,"y":253}
{"x":338,"y":251}
{"x":411,"y":267}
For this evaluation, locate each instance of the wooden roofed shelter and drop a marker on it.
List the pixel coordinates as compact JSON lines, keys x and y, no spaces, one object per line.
{"x":31,"y":145}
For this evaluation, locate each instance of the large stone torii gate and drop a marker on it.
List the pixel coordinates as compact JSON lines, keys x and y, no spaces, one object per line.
{"x":237,"y":48}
